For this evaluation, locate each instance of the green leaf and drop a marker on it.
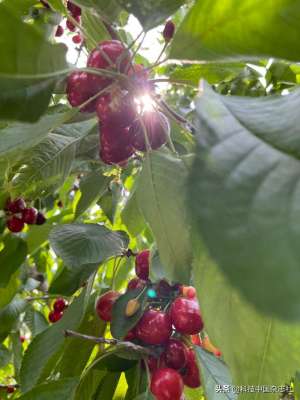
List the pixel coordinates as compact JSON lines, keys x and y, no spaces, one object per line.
{"x":94,"y":29}
{"x":258,"y":350}
{"x":89,"y":384}
{"x":7,"y":293}
{"x":60,"y":390}
{"x":47,"y":344}
{"x":91,"y":188}
{"x":29,"y":67}
{"x":10,"y":314}
{"x":47,"y":166}
{"x":35,"y":321}
{"x":214,"y":373}
{"x":132,"y":216}
{"x":160,"y":194}
{"x":11,"y":257}
{"x":243,"y":193}
{"x":79,"y":244}
{"x":108,"y":386}
{"x":151,"y":13}
{"x":227,"y":30}
{"x":110,"y":9}
{"x":5,"y":356}
{"x":17,"y":137}
{"x":211,"y":72}
{"x":121,"y":324}
{"x":144,"y":396}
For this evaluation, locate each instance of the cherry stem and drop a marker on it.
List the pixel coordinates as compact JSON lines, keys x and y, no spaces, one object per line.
{"x":102,"y":340}
{"x":174,"y":115}
{"x":136,"y":50}
{"x":161,"y":53}
{"x":95,"y":96}
{"x":82,"y":30}
{"x":156,"y":64}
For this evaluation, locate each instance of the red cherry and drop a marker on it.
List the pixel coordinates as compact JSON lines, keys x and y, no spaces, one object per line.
{"x":169,"y":31}
{"x":59,"y":31}
{"x":142,"y":262}
{"x":119,"y":112}
{"x":115,"y":146}
{"x":163,"y":288}
{"x":107,"y":52}
{"x":40,"y":218}
{"x":29,"y":215}
{"x":22,"y":339}
{"x":136,"y":283}
{"x":105,"y":304}
{"x":77,"y":39}
{"x":191,"y":375}
{"x":55,"y":316}
{"x":175,"y":354}
{"x":15,"y":206}
{"x":80,"y":89}
{"x":60,"y":304}
{"x":15,"y":224}
{"x":191,"y":292}
{"x":186,"y":317}
{"x":130,"y":336}
{"x":70,"y":25}
{"x":154,"y":327}
{"x":74,"y":9}
{"x":10,"y":389}
{"x":196,"y":340}
{"x":166,"y":384}
{"x":157,"y":127}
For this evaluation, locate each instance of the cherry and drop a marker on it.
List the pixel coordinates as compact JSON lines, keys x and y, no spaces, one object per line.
{"x":59,"y":31}
{"x":136,"y":283}
{"x":191,"y":375}
{"x":189,"y":292}
{"x":22,"y":339}
{"x":15,"y":224}
{"x":119,"y":112}
{"x":40,"y":219}
{"x":105,"y":304}
{"x":138,"y":71}
{"x":157,"y":127}
{"x":55,"y":316}
{"x":80,"y":89}
{"x":107,"y":52}
{"x":77,"y":39}
{"x":169,"y":31}
{"x":15,"y":206}
{"x":163,"y":288}
{"x":142,"y":264}
{"x":115,"y":144}
{"x":60,"y":304}
{"x":175,"y":354}
{"x":166,"y":384}
{"x":154,"y":327}
{"x":185,"y":316}
{"x":130,"y":336}
{"x":10,"y":389}
{"x":70,"y":25}
{"x":152,"y":363}
{"x":74,"y":9}
{"x":29,"y":215}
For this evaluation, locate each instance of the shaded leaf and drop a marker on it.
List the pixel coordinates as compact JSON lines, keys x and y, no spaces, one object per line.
{"x":11,"y":257}
{"x":60,"y":390}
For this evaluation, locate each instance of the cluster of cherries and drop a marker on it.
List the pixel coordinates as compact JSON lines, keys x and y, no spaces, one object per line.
{"x":126,"y":126}
{"x":59,"y":307}
{"x":169,"y":326}
{"x":18,"y":215}
{"x":75,"y":12}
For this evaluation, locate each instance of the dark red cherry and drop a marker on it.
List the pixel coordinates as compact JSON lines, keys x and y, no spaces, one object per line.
{"x":59,"y":31}
{"x":175,"y":354}
{"x":105,"y":304}
{"x":169,"y":31}
{"x":142,"y":264}
{"x":130,"y":336}
{"x":80,"y":89}
{"x":138,"y":71}
{"x":109,"y":52}
{"x":118,"y":111}
{"x":40,"y":218}
{"x":154,"y":327}
{"x":15,"y":224}
{"x":70,"y":25}
{"x":185,"y":316}
{"x":55,"y":316}
{"x":22,"y":338}
{"x":10,"y":389}
{"x":77,"y":39}
{"x":191,"y":374}
{"x":29,"y":215}
{"x":15,"y":206}
{"x":115,"y":144}
{"x":136,"y":283}
{"x":157,"y":128}
{"x":74,"y":9}
{"x":60,"y":304}
{"x":166,"y":384}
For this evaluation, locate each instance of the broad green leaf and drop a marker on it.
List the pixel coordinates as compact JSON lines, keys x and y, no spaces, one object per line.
{"x":29,"y":67}
{"x":79,"y":244}
{"x":228,"y":30}
{"x":10,"y":314}
{"x":95,"y":32}
{"x":17,"y":137}
{"x":151,"y":13}
{"x":91,"y":188}
{"x":7,"y":293}
{"x":89,"y":384}
{"x":144,"y":396}
{"x":258,"y":350}
{"x":110,"y":9}
{"x":132,"y":216}
{"x":59,"y":390}
{"x":107,"y":387}
{"x":160,"y":194}
{"x":46,"y":166}
{"x":47,"y":344}
{"x":11,"y":258}
{"x":17,"y":352}
{"x":5,"y":356}
{"x":121,"y":324}
{"x":244,"y":194}
{"x":35,"y":321}
{"x":211,"y":72}
{"x":215,"y":374}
